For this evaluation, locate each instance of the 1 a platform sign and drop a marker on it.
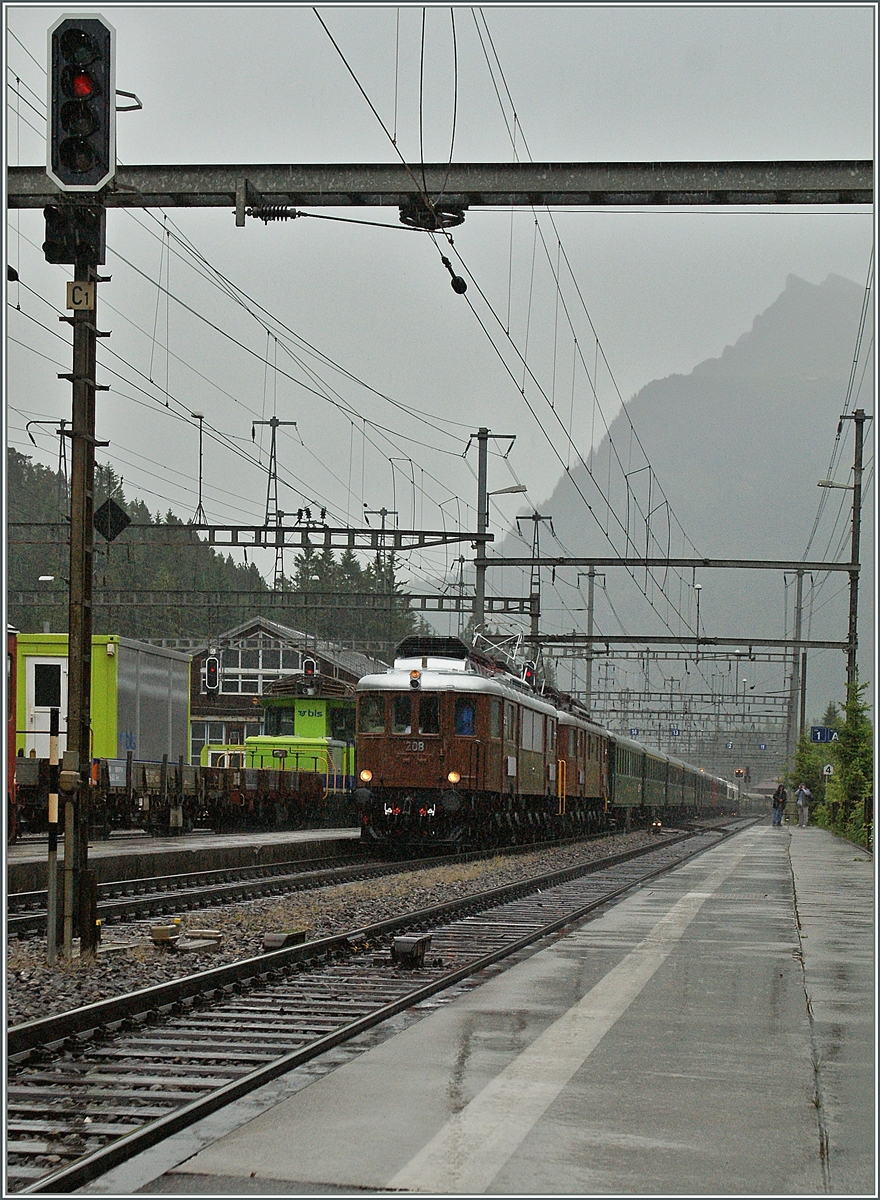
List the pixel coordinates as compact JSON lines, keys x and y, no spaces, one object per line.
{"x":822,"y":733}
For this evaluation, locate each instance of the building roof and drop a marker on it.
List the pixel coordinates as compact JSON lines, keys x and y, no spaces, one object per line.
{"x":350,"y":661}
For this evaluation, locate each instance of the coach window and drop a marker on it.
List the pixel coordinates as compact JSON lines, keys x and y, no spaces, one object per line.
{"x":551,"y":736}
{"x":401,"y":713}
{"x":494,"y":718}
{"x":464,"y":716}
{"x":429,"y":714}
{"x":371,"y":714}
{"x":509,"y":722}
{"x":530,"y":725}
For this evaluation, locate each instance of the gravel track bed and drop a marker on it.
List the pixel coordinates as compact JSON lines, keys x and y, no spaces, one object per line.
{"x":130,"y":960}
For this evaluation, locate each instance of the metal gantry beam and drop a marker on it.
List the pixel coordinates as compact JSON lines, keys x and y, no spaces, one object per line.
{"x":311,"y":601}
{"x":464,"y":186}
{"x":638,"y":656}
{"x":649,"y":639}
{"x":325,"y":538}
{"x":700,"y":564}
{"x":316,"y":537}
{"x":712,"y":700}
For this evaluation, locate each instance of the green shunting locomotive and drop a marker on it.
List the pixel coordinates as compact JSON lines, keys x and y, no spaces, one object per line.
{"x":308,"y":725}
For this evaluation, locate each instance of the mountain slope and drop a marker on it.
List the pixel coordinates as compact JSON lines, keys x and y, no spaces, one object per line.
{"x":738,"y":447}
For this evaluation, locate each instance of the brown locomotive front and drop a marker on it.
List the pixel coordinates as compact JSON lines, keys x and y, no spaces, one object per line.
{"x":450,"y":754}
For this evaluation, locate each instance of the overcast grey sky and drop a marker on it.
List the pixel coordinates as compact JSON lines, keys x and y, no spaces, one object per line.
{"x":662,"y":290}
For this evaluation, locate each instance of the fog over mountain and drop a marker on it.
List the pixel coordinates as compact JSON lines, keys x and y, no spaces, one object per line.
{"x":737,"y":447}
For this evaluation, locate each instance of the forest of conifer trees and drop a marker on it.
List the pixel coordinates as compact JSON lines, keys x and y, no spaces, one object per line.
{"x":171,"y":558}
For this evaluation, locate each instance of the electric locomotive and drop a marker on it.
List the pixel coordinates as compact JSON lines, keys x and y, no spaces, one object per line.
{"x":454,"y":748}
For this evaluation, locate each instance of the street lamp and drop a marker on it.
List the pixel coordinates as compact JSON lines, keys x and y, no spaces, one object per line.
{"x":505,"y":491}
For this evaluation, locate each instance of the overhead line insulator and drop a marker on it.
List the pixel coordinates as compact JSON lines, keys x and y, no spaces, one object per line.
{"x":273,"y":212}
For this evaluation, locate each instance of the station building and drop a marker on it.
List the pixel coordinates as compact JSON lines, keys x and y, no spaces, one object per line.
{"x":251,"y":657}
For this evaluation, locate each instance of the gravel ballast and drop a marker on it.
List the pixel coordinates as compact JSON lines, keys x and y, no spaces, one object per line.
{"x":130,"y":960}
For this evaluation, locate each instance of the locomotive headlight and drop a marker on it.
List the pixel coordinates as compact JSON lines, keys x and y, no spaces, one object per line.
{"x":365,"y":775}
{"x":453,"y":777}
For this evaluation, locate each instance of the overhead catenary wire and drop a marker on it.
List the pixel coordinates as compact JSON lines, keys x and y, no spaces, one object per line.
{"x":512,"y":134}
{"x":448,"y":237}
{"x":222,"y":438}
{"x":351,"y":418}
{"x":396,"y":433}
{"x":238,"y":294}
{"x":538,"y":421}
{"x":836,"y":448}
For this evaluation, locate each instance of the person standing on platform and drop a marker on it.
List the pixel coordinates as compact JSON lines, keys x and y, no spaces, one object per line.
{"x":803,"y":796}
{"x":780,"y":797}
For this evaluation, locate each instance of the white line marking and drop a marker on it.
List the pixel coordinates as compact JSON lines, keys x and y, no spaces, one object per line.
{"x":473,"y":1146}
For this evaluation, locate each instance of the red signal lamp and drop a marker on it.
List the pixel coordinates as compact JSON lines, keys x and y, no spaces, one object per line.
{"x":78,"y":84}
{"x":82,"y":86}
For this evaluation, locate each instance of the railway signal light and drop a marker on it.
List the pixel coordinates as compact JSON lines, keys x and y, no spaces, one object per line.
{"x":82,"y":104}
{"x":75,"y":233}
{"x":529,"y":674}
{"x":212,"y":673}
{"x":310,"y":668}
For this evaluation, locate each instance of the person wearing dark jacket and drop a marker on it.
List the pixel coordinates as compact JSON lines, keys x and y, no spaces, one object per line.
{"x":780,"y":796}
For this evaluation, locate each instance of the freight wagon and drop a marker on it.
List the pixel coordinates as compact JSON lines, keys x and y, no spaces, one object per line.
{"x":139,"y":699}
{"x":140,"y":696}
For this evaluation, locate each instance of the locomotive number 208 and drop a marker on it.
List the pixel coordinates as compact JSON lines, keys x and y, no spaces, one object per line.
{"x":412,"y":745}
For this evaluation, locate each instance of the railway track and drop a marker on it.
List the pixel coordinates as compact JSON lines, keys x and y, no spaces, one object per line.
{"x":157,"y":895}
{"x":161,"y":895}
{"x":89,"y":1089}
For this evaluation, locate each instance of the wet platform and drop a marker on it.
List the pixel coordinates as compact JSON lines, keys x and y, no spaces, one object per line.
{"x":712,"y":1034}
{"x":140,"y":856}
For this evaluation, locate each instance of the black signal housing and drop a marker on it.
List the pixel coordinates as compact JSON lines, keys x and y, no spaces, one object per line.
{"x":75,"y":233}
{"x":82,"y":104}
{"x":212,"y":673}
